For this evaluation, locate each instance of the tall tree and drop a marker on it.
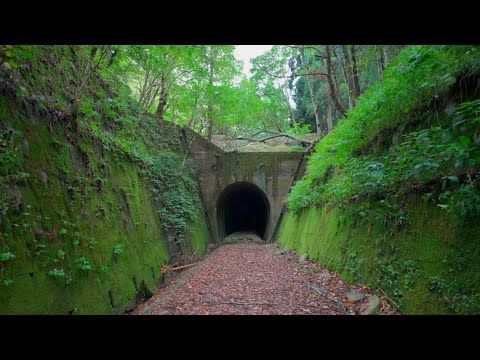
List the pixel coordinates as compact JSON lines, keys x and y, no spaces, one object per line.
{"x":355,"y":72}
{"x":329,"y":75}
{"x":380,"y":60}
{"x":271,"y":71}
{"x":312,"y":94}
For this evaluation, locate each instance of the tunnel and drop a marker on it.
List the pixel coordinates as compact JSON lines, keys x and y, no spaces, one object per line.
{"x":243,"y":207}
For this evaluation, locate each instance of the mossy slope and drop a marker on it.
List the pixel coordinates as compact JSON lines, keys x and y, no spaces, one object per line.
{"x":405,"y":264}
{"x":80,"y":215}
{"x":391,"y":197}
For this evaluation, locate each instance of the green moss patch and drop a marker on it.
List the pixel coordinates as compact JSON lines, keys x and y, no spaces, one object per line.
{"x":431,"y":266}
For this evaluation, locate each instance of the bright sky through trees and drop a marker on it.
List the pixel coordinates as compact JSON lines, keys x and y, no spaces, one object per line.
{"x":247,"y":52}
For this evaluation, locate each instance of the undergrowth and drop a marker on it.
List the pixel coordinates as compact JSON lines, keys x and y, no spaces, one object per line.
{"x":111,"y":128}
{"x":446,"y":154}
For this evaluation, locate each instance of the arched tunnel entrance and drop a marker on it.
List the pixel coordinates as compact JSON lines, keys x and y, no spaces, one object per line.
{"x":243,"y":207}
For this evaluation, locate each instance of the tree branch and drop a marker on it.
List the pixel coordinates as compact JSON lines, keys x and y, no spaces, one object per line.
{"x":272,"y":137}
{"x":288,"y":76}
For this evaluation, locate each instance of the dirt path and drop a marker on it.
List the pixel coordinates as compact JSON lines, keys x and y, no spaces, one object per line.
{"x":249,"y":278}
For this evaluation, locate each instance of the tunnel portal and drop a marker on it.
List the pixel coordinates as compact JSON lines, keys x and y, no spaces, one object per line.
{"x":243,"y":207}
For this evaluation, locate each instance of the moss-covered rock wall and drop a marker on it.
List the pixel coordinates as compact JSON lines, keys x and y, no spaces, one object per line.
{"x":80,"y":229}
{"x":391,"y":197}
{"x":430,"y":266}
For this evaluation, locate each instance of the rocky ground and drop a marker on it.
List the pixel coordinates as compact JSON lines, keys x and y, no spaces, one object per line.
{"x":252,"y":278}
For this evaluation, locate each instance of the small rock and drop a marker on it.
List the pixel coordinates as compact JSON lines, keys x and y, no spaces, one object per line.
{"x":304,"y":258}
{"x":355,"y":296}
{"x":44,"y":176}
{"x":281,"y":251}
{"x":26,"y":147}
{"x":372,"y":307}
{"x":37,"y":229}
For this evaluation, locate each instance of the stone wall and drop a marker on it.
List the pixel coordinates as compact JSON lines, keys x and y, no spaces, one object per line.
{"x":272,"y":172}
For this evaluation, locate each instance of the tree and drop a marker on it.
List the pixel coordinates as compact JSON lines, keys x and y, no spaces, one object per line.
{"x":201,"y":86}
{"x":329,"y":75}
{"x":271,"y":72}
{"x":380,"y":60}
{"x":222,"y":70}
{"x":341,"y":73}
{"x":97,"y":55}
{"x":307,"y":71}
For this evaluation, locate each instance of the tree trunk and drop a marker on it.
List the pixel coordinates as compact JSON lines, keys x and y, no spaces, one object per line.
{"x":312,"y":95}
{"x":380,"y":67}
{"x":349,"y":73}
{"x":190,"y":122}
{"x":342,"y":67}
{"x":152,"y":98}
{"x":112,"y":57}
{"x":210,"y":100}
{"x":277,"y":126}
{"x":329,"y":111}
{"x":210,"y":127}
{"x":287,"y":100}
{"x":162,"y":102}
{"x":331,"y":85}
{"x":79,"y":91}
{"x":386,"y":53}
{"x":143,"y":89}
{"x":315,"y":108}
{"x":344,"y":72}
{"x":356,"y":77}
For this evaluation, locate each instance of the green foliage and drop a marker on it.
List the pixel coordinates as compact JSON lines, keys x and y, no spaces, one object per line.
{"x":65,"y":217}
{"x":7,"y":282}
{"x":56,"y":273}
{"x":417,"y":76}
{"x":411,"y":274}
{"x":468,"y":114}
{"x":299,"y":129}
{"x":173,"y":187}
{"x":311,"y":93}
{"x":75,"y":311}
{"x":118,"y":249}
{"x":5,"y":256}
{"x":10,"y":53}
{"x":10,"y":157}
{"x":389,"y":274}
{"x":456,"y":299}
{"x":269,"y":72}
{"x":84,"y":264}
{"x":398,"y":264}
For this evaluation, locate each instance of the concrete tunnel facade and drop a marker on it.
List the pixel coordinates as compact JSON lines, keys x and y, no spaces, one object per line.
{"x":242,"y":191}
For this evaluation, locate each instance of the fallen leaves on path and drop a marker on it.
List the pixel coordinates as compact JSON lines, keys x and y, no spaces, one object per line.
{"x":244,"y":279}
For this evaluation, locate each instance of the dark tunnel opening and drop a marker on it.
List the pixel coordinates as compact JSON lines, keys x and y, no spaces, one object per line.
{"x":243,"y":207}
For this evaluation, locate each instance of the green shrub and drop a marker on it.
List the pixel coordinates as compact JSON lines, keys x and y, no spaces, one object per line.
{"x":417,"y":76}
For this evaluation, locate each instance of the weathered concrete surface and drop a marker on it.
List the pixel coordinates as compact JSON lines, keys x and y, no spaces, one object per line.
{"x":272,"y":172}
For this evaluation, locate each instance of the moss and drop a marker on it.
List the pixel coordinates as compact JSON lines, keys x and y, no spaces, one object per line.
{"x":85,"y":226}
{"x":361,"y":250}
{"x":413,"y":92}
{"x":93,"y":220}
{"x":199,"y":235}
